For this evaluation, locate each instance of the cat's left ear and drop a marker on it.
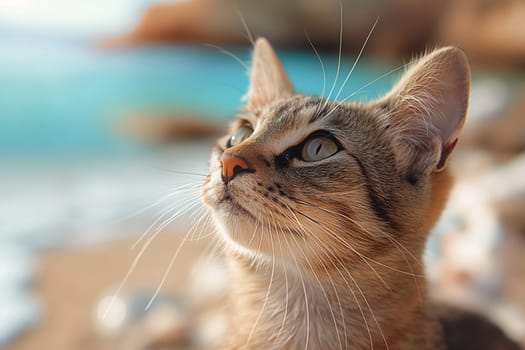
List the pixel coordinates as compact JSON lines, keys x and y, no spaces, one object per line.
{"x":428,"y":108}
{"x":268,"y":80}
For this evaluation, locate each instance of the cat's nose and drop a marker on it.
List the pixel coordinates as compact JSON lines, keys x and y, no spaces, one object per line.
{"x":233,"y":166}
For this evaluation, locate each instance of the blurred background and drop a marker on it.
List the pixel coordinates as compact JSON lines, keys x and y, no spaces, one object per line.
{"x":107,"y":113}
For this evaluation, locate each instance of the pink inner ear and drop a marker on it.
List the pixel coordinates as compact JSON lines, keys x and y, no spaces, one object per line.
{"x":453,"y":87}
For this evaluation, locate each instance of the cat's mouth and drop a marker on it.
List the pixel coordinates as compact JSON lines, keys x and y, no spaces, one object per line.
{"x":231,"y":205}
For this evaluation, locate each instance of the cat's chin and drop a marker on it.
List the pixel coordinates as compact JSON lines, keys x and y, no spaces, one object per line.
{"x":244,"y":235}
{"x":236,"y":222}
{"x":236,"y":231}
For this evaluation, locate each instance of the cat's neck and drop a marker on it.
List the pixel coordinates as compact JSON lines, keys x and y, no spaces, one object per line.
{"x":381,"y":302}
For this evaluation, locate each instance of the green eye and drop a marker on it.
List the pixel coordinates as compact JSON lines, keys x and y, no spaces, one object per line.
{"x":240,"y":135}
{"x":318,"y":148}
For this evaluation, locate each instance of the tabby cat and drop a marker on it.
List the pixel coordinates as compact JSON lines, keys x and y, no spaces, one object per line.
{"x":324,"y":208}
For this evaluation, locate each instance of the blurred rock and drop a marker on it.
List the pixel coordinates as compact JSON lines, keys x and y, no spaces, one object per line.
{"x":166,"y":323}
{"x":284,"y":23}
{"x":195,"y":319}
{"x":491,"y":31}
{"x":161,"y":127}
{"x":165,"y":326}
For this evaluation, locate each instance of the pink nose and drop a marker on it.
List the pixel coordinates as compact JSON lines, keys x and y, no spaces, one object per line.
{"x":232,"y":166}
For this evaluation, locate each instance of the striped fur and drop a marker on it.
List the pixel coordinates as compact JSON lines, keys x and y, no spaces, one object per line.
{"x":327,"y":254}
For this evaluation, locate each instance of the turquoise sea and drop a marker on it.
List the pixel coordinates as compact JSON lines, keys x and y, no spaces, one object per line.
{"x":63,"y":96}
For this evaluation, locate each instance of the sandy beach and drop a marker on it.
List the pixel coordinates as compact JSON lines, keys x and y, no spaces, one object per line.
{"x":70,"y":282}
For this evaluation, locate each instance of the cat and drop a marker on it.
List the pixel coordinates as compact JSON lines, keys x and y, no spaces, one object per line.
{"x":324,"y":208}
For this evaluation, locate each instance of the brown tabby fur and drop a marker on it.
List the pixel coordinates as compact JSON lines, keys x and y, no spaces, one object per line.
{"x":327,"y":254}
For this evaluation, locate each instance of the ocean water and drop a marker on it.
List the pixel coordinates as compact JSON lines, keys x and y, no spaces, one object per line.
{"x":66,"y":176}
{"x":63,"y":97}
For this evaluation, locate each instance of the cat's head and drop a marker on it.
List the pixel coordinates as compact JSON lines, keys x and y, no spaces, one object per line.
{"x":310,"y":180}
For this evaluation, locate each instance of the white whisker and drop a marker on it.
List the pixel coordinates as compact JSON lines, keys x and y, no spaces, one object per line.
{"x":231,"y":54}
{"x":357,"y":59}
{"x":320,"y":62}
{"x":245,"y":26}
{"x":339,"y":57}
{"x":266,"y":296}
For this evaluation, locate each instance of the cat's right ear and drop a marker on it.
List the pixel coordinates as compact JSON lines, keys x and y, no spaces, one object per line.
{"x":268,"y":80}
{"x":427,"y":111}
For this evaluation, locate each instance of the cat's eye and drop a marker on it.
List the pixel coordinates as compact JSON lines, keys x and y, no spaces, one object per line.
{"x":240,"y":135}
{"x":318,"y":148}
